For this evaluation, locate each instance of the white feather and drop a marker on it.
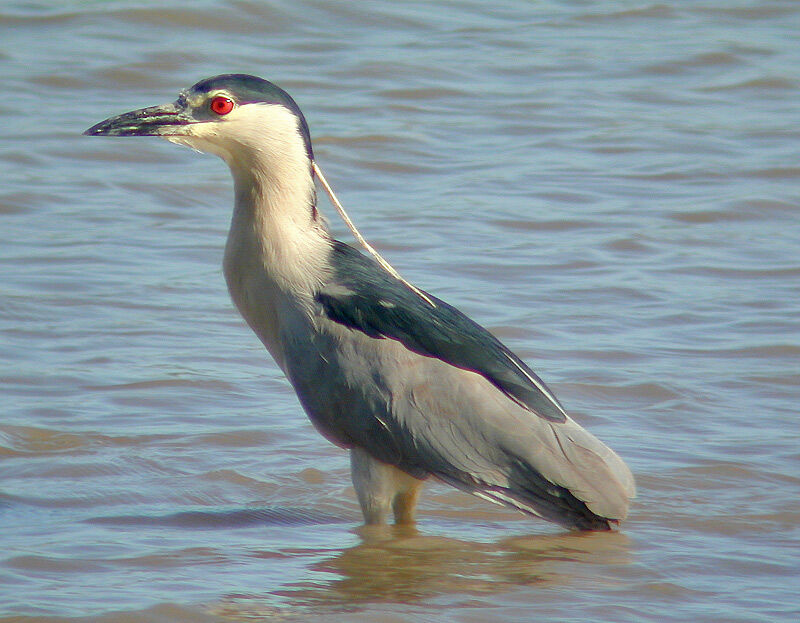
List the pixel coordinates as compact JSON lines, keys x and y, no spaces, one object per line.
{"x":277,"y":250}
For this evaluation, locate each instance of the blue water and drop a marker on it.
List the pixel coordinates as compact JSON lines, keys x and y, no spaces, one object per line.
{"x":613,"y":189}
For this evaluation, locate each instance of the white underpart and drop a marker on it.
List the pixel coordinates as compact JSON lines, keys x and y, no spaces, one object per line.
{"x":277,"y":252}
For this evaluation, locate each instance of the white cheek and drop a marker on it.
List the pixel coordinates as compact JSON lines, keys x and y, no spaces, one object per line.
{"x":254,"y":139}
{"x":183,"y":140}
{"x":202,"y":137}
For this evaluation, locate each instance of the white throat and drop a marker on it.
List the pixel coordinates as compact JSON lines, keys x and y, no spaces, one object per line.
{"x":278,"y":247}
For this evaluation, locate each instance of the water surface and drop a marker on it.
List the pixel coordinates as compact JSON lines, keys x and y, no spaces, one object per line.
{"x":612,"y":188}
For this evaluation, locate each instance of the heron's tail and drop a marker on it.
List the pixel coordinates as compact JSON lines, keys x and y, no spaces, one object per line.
{"x":577,"y":481}
{"x":567,"y":476}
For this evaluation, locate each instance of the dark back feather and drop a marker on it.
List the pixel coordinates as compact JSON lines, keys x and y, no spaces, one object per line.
{"x":363,"y":296}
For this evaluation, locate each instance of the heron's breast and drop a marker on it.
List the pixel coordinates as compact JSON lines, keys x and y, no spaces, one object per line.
{"x":257,"y":298}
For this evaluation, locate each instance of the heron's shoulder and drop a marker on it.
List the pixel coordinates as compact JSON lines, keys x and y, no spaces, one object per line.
{"x":363,"y":296}
{"x":353,"y":268}
{"x":361,"y":287}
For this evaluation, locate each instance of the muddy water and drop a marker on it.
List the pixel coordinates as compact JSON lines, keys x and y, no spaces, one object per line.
{"x":611,"y":188}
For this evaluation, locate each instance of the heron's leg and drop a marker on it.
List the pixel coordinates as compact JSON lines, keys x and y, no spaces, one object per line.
{"x":373,"y":486}
{"x":405,"y":501}
{"x":382,"y":488}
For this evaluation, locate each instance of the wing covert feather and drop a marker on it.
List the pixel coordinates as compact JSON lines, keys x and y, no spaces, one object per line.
{"x":364,"y":297}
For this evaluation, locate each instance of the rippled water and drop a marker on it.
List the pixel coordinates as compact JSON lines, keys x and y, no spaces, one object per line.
{"x":612,"y":188}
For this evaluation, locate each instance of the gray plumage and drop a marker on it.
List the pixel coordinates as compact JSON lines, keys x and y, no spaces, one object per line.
{"x":415,"y":390}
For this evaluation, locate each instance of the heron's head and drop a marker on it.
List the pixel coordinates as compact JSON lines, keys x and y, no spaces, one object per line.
{"x":243,"y":119}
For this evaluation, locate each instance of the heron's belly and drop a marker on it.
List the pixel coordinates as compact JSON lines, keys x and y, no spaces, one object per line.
{"x":351,"y":386}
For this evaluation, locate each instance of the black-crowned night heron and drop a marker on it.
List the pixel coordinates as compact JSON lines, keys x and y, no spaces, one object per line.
{"x":410,"y":385}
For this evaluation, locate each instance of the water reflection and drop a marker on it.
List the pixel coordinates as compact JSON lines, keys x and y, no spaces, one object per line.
{"x":401,"y":564}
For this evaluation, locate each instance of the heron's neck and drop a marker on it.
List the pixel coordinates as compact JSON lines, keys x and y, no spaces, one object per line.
{"x":275,"y":226}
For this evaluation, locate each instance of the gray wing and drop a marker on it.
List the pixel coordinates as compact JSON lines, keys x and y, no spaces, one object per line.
{"x":427,"y":400}
{"x":366,"y":298}
{"x":474,"y":438}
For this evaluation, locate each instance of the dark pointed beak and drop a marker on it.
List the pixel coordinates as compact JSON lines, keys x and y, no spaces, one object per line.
{"x":164,"y":120}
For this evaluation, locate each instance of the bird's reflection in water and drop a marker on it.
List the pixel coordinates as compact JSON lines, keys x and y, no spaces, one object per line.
{"x":400,"y":564}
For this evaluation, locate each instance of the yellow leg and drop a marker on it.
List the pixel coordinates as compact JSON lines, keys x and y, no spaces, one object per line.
{"x":382,"y":488}
{"x":405,"y":503}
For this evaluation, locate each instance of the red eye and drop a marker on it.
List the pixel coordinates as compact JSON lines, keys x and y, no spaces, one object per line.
{"x":221,"y":105}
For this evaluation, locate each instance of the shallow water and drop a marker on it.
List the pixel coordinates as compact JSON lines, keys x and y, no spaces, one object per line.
{"x":612,"y":188}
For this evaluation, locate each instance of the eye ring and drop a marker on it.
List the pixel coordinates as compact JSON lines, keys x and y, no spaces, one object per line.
{"x":221,"y":105}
